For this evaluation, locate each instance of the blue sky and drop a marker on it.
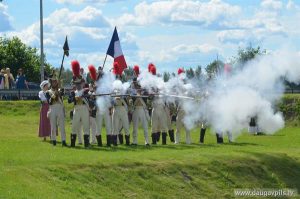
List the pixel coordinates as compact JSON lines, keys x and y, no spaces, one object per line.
{"x":171,"y":34}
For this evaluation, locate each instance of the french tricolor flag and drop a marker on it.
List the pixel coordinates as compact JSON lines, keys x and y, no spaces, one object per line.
{"x":115,"y":50}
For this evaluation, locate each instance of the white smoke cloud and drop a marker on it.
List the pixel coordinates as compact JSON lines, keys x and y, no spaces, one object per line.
{"x":252,"y":91}
{"x":228,"y":102}
{"x":108,"y":85}
{"x":104,"y":85}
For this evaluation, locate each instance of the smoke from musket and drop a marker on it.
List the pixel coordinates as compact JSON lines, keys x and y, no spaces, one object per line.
{"x":228,"y":102}
{"x":104,"y":85}
{"x":109,"y":84}
{"x":251,"y":91}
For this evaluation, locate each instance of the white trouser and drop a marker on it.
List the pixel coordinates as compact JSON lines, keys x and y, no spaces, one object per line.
{"x":252,"y":129}
{"x":229,"y":134}
{"x":100,"y":116}
{"x":93,"y":128}
{"x":56,"y":116}
{"x":81,"y":117}
{"x":139,"y":115}
{"x":159,"y":119}
{"x":120,"y":116}
{"x":169,"y":119}
{"x":179,"y":125}
{"x":79,"y":133}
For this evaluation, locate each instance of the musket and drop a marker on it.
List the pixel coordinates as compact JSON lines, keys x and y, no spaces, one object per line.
{"x":110,"y":94}
{"x":172,"y":95}
{"x":102,"y":94}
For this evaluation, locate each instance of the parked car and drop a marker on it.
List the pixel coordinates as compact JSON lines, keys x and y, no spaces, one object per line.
{"x":33,"y":86}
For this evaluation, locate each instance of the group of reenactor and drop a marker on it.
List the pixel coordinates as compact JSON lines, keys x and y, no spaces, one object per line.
{"x":137,"y":105}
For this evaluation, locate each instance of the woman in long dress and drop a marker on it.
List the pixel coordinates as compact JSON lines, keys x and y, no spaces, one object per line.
{"x":44,"y":127}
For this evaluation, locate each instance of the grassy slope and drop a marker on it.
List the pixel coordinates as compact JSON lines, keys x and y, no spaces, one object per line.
{"x":31,"y":168}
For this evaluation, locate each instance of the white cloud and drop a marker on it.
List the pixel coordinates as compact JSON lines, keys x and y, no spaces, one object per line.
{"x":195,"y":48}
{"x":177,"y":52}
{"x":180,"y":12}
{"x":4,"y":19}
{"x":292,"y":5}
{"x":262,"y":24}
{"x":78,"y":2}
{"x":238,"y":36}
{"x":87,"y":23}
{"x":272,"y":4}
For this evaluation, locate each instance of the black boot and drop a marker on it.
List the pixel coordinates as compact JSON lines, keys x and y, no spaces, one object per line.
{"x":171,"y":135}
{"x":121,"y":138}
{"x":108,"y":140}
{"x":202,"y":134}
{"x":99,"y":140}
{"x":153,"y":138}
{"x":86,"y":141}
{"x":219,"y":139}
{"x":63,"y":143}
{"x":157,"y":136}
{"x":73,"y":140}
{"x":127,"y":139}
{"x":54,"y":142}
{"x":164,"y":138}
{"x":115,"y":140}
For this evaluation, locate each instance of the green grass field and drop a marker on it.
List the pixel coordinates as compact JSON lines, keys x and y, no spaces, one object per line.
{"x":32,"y":168}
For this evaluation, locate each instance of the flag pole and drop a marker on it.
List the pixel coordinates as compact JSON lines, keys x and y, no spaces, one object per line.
{"x":61,"y":66}
{"x":104,"y":62}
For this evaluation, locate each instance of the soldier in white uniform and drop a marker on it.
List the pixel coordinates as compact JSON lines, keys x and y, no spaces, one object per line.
{"x":95,"y":131}
{"x":81,"y":107}
{"x":159,"y":120}
{"x":219,"y":136}
{"x":140,"y":114}
{"x":56,"y":113}
{"x":168,"y":108}
{"x":105,"y":115}
{"x":120,"y":116}
{"x":179,"y":125}
{"x":202,"y":132}
{"x":253,"y":127}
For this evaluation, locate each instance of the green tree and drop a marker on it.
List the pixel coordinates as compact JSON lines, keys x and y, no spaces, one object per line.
{"x":247,"y":54}
{"x":198,"y":72}
{"x":166,"y":76}
{"x":214,"y":68}
{"x":190,"y":73}
{"x":66,"y":76}
{"x":14,"y":54}
{"x":128,"y":74}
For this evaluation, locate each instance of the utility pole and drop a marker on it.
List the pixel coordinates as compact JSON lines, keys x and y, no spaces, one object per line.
{"x":42,"y":40}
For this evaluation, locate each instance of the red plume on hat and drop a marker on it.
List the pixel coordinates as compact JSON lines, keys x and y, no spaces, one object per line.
{"x":117,"y":70}
{"x":75,"y":68}
{"x":136,"y":70}
{"x":93,"y":72}
{"x":153,"y":70}
{"x":180,"y":70}
{"x":150,"y":66}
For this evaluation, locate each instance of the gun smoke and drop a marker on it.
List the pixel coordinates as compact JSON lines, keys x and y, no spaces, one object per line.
{"x":227,"y":102}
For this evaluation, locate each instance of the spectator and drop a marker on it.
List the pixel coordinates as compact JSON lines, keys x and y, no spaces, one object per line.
{"x":2,"y":79}
{"x":9,"y":79}
{"x":21,"y":82}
